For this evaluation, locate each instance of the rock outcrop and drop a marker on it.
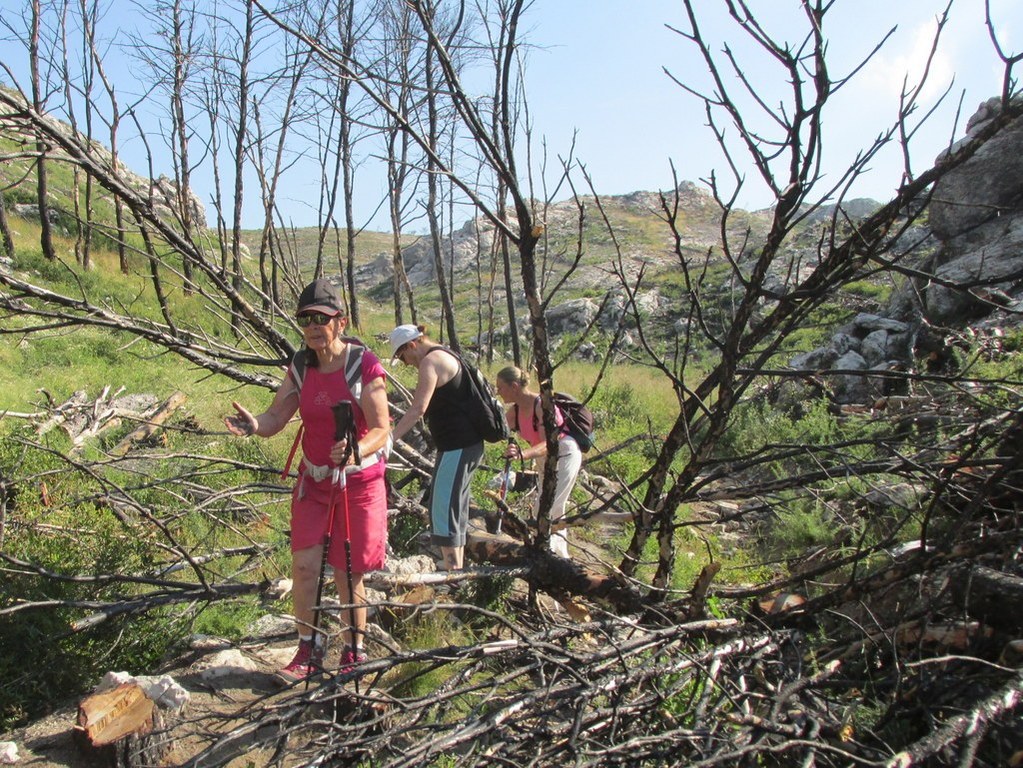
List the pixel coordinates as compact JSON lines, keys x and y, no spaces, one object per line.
{"x":976,"y":219}
{"x":977,"y":215}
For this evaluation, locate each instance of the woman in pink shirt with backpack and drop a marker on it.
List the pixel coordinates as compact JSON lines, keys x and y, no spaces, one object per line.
{"x":314,"y":384}
{"x":526,"y":419}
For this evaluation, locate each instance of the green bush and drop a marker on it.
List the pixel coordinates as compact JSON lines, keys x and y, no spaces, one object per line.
{"x":801,"y":527}
{"x":227,"y":619}
{"x":45,"y":657}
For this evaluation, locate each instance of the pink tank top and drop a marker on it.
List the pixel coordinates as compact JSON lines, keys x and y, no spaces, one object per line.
{"x":530,"y":425}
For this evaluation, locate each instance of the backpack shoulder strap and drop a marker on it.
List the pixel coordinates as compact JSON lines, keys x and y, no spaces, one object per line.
{"x":442,"y":348}
{"x":297,"y":368}
{"x":463,"y":367}
{"x":353,"y":369}
{"x":353,"y":377}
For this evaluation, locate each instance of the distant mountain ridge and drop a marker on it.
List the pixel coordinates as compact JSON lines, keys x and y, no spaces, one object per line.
{"x":641,"y":231}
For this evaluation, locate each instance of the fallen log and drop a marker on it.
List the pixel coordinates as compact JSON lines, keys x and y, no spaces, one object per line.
{"x":994,"y":597}
{"x":122,"y":727}
{"x":387,"y":580}
{"x":150,"y":424}
{"x":999,"y":704}
{"x":552,"y":574}
{"x":543,"y":570}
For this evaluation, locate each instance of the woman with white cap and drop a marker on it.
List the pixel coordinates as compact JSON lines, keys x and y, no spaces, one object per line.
{"x":312,"y":392}
{"x":441,"y":396}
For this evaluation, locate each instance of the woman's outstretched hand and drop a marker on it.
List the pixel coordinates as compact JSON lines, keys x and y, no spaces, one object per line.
{"x":242,"y":424}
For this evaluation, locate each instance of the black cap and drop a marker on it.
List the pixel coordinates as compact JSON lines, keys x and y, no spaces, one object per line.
{"x":320,"y":296}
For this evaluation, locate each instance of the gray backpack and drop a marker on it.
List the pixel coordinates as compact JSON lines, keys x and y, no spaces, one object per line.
{"x":353,"y":367}
{"x":353,"y":377}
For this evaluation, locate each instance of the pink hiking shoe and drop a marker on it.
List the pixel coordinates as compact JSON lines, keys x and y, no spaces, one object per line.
{"x":350,"y":660}
{"x":308,"y":662}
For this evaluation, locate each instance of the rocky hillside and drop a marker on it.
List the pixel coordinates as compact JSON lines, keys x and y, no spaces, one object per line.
{"x":966,"y":286}
{"x":639,"y":228}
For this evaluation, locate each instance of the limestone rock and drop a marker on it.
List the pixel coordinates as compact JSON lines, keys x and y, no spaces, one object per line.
{"x":224,"y":663}
{"x":986,"y":186}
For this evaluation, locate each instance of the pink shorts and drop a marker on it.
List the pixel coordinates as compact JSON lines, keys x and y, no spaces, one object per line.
{"x":366,"y":498}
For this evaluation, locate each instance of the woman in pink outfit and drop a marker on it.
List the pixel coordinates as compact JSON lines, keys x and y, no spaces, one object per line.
{"x":525,"y":418}
{"x":312,"y":392}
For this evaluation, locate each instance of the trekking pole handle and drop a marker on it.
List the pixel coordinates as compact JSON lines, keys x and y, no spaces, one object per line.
{"x":344,"y":428}
{"x":513,"y":444}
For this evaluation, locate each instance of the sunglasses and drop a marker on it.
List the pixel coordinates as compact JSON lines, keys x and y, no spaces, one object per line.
{"x":316,"y":317}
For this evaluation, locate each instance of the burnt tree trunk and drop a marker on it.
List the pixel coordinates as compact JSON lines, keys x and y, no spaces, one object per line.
{"x":994,"y":597}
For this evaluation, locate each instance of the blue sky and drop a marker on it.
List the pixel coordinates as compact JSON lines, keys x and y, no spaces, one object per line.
{"x":595,"y":73}
{"x":601,"y":72}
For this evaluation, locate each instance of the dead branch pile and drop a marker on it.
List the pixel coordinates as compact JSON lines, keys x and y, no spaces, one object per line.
{"x":864,"y":655}
{"x":893,"y":656}
{"x":84,"y":419}
{"x":709,"y":693}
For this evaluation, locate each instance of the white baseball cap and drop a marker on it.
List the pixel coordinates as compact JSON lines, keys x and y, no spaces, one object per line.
{"x":402,"y":335}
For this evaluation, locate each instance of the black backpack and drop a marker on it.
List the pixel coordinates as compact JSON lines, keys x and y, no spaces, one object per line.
{"x":485,"y":410}
{"x":578,"y":420}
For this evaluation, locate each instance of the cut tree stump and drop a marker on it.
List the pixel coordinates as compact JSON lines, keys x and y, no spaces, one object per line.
{"x":122,"y":727}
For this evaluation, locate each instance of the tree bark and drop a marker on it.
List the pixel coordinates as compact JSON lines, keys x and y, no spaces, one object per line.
{"x":152,"y":422}
{"x":42,"y":179}
{"x":553,"y":574}
{"x":6,"y":238}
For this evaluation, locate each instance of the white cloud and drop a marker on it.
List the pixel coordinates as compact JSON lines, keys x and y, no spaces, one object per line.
{"x":903,"y":61}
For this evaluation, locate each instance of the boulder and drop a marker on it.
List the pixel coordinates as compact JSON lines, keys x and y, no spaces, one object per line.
{"x":571,"y":317}
{"x":989,"y":257}
{"x":986,"y":186}
{"x":976,"y":218}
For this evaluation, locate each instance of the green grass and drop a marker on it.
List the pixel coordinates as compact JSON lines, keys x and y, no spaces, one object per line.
{"x":227,"y":619}
{"x":430,"y":630}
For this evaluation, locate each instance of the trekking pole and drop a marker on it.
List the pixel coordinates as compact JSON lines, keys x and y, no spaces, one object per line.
{"x":344,"y":428}
{"x":340,"y":430}
{"x":503,"y":492}
{"x":327,"y":533}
